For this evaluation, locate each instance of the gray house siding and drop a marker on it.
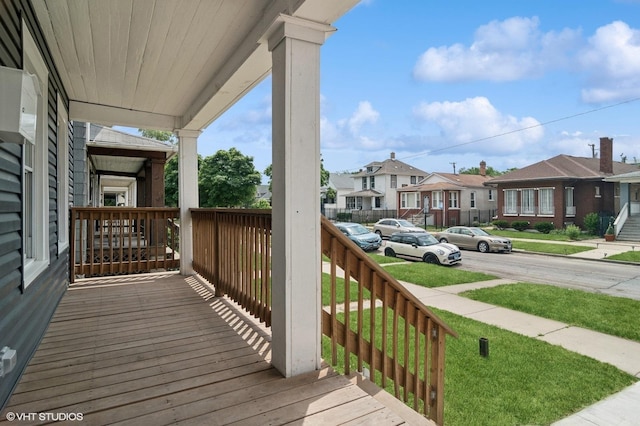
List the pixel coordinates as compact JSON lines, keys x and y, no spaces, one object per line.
{"x":25,"y":312}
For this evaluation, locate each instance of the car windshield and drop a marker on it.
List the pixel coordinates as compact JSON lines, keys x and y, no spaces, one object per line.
{"x":356,"y":230}
{"x":426,"y":240}
{"x":405,"y":223}
{"x":478,"y":231}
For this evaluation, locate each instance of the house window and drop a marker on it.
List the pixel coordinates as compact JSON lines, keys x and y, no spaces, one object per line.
{"x":35,"y":172}
{"x":413,"y":180}
{"x":364,"y":183}
{"x":394,"y":181}
{"x":436,"y":201}
{"x":545,"y":197}
{"x":453,"y":200}
{"x":369,"y":169}
{"x":597,"y":189}
{"x":491,"y":195}
{"x":528,"y":201}
{"x":472,"y":200}
{"x":410,"y":200}
{"x":568,"y":201}
{"x":372,"y":182}
{"x":63,"y":177}
{"x":510,"y":201}
{"x":377,"y":202}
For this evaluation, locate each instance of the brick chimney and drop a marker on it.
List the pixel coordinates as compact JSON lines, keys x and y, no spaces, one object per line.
{"x":483,"y":168}
{"x":606,"y":155}
{"x":393,"y":155}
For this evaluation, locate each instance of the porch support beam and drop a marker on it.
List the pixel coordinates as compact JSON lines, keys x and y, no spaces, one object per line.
{"x":296,"y":284}
{"x":187,"y":193}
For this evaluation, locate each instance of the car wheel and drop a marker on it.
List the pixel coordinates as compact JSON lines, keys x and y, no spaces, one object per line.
{"x":379,"y":233}
{"x":443,"y":240}
{"x":389,"y":252}
{"x":483,"y":247}
{"x":431,"y":258}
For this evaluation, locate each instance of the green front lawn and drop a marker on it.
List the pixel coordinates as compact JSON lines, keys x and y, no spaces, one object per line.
{"x":617,"y":316}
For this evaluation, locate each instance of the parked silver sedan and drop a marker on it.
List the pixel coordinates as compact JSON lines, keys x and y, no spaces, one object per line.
{"x":386,"y":227}
{"x":473,"y":238}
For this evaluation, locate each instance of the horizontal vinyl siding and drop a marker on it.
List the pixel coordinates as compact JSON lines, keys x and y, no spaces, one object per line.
{"x":25,"y":314}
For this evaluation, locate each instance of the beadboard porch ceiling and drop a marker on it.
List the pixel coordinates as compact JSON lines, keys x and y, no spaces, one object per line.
{"x":165,"y":64}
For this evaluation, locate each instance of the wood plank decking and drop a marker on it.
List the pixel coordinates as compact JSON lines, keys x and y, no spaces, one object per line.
{"x":159,"y":349}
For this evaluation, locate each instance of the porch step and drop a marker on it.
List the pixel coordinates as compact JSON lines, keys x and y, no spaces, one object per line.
{"x":631,"y":229}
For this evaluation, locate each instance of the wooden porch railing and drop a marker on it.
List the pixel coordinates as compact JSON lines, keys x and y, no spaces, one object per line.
{"x":122,"y":240}
{"x":399,"y":339}
{"x":390,"y":332}
{"x":232,"y":250}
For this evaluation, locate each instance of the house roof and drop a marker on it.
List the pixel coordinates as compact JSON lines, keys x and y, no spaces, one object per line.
{"x":436,"y":186}
{"x":110,"y":138}
{"x":390,"y":166}
{"x":341,"y":180}
{"x":364,"y":193}
{"x":562,"y":167}
{"x":631,"y":177}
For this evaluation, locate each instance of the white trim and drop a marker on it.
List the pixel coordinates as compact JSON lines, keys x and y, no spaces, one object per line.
{"x":63,"y":177}
{"x":33,"y":266}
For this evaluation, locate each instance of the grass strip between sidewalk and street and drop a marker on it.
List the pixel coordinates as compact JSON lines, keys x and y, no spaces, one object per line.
{"x":617,"y":316}
{"x":428,"y":275}
{"x":549,"y":248}
{"x":627,"y":256}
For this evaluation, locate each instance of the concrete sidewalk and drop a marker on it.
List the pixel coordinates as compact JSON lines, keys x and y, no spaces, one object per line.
{"x":619,"y":409}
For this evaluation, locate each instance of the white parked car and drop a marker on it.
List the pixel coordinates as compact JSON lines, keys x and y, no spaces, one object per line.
{"x":386,"y":227}
{"x":422,"y":246}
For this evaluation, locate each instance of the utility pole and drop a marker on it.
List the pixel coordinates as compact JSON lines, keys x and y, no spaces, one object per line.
{"x":593,"y":149}
{"x":454,"y":167}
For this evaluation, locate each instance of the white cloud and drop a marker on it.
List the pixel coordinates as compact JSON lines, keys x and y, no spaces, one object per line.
{"x":612,"y":64}
{"x":476,"y":125}
{"x":502,"y":51}
{"x":362,"y":115}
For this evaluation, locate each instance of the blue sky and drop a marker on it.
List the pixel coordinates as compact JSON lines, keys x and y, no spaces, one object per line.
{"x":507,"y":82}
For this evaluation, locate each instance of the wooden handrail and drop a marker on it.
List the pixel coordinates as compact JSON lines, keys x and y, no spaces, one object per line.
{"x":399,"y":338}
{"x":385,"y":330}
{"x":121,"y":240}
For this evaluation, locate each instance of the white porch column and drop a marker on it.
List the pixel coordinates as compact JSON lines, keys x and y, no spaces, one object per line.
{"x":187,"y":193}
{"x":296,"y":321}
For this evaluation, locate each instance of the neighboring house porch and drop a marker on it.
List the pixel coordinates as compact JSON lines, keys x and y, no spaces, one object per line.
{"x":627,"y":223}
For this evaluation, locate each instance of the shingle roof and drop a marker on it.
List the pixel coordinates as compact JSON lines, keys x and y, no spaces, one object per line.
{"x":364,"y":193}
{"x":341,"y":180}
{"x":108,"y":137}
{"x":436,"y":186}
{"x":563,"y":167}
{"x":390,"y":166}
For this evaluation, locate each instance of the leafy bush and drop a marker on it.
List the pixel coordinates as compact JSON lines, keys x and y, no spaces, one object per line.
{"x":572,"y":231}
{"x":500,"y":223}
{"x":343,"y":217}
{"x":544,"y":227}
{"x":592,"y":223}
{"x":520,"y":225}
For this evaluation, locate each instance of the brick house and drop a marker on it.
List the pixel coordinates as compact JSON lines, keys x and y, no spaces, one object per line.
{"x":562,"y":189}
{"x":451,"y":199}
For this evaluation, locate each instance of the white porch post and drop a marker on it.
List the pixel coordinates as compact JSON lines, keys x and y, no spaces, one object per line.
{"x":187,"y":193}
{"x":296,"y":320}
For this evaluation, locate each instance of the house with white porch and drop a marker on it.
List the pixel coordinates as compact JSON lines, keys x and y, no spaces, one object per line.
{"x":375,"y":186}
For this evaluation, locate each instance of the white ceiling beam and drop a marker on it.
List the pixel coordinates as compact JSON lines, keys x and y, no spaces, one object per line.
{"x":111,"y":116}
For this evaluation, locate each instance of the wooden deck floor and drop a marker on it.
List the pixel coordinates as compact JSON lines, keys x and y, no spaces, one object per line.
{"x":159,"y":349}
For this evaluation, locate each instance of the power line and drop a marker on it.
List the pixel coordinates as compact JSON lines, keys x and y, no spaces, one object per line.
{"x":419,"y":154}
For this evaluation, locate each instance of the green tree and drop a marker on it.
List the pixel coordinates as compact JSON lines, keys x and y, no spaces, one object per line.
{"x":159,"y":135}
{"x":490,"y":171}
{"x":171,"y":182}
{"x":228,"y":179}
{"x":324,"y":174}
